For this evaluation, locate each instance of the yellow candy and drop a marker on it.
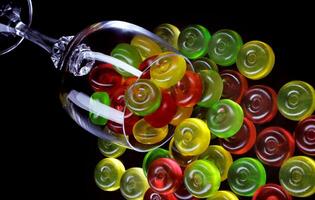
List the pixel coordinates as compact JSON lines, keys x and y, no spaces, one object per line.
{"x":146,"y":47}
{"x":169,"y":33}
{"x":181,"y":114}
{"x":223,"y":195}
{"x":220,"y":157}
{"x":146,"y":134}
{"x":192,"y":137}
{"x":168,"y":69}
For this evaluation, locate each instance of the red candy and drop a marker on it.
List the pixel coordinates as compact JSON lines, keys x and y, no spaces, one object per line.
{"x":243,"y":140}
{"x":117,"y":102}
{"x":234,"y":85}
{"x":165,"y":175}
{"x":271,"y":192}
{"x":165,"y":113}
{"x":129,"y":120}
{"x":144,"y":67}
{"x":188,"y":91}
{"x":305,"y":135}
{"x":260,"y":104}
{"x":274,"y":145}
{"x":152,"y":195}
{"x":104,"y":78}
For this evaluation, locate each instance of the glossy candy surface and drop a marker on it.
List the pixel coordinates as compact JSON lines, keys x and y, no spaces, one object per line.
{"x":151,"y":156}
{"x":260,"y":104}
{"x":169,"y":33}
{"x":193,"y":41}
{"x":225,"y":118}
{"x":242,"y":141}
{"x":305,"y":135}
{"x":274,"y":145}
{"x":192,"y":137}
{"x":164,"y":175}
{"x":182,"y":160}
{"x":133,"y":184}
{"x":204,"y":64}
{"x":223,"y":195}
{"x":202,"y":178}
{"x":234,"y":85}
{"x":103,"y":98}
{"x":128,"y":54}
{"x":167,"y":70}
{"x":224,"y":47}
{"x":220,"y":157}
{"x":143,"y":97}
{"x":146,"y":134}
{"x":297,"y":175}
{"x":165,"y":113}
{"x":145,"y":46}
{"x":246,"y":175}
{"x":296,"y":100}
{"x":212,"y":87}
{"x":187,"y":92}
{"x":255,"y":60}
{"x":271,"y":191}
{"x":110,"y":149}
{"x":181,"y":114}
{"x":152,"y":195}
{"x":108,"y":173}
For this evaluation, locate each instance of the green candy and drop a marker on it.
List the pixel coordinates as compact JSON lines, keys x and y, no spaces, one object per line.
{"x":204,"y":64}
{"x":128,"y":54}
{"x":193,"y":41}
{"x":224,"y":47}
{"x":153,"y":155}
{"x":202,"y":178}
{"x":212,"y":87}
{"x":110,"y":149}
{"x":246,"y":175}
{"x":225,"y":118}
{"x":296,"y":100}
{"x":103,"y":98}
{"x":108,"y":173}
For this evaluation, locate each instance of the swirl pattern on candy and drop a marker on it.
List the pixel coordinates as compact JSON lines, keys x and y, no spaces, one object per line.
{"x":182,"y":160}
{"x":305,"y":135}
{"x":224,"y":47}
{"x":169,"y":33}
{"x":145,"y":46}
{"x":271,"y":191}
{"x":151,"y":156}
{"x":110,"y":149}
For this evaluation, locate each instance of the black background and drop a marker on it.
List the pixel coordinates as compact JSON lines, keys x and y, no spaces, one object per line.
{"x":46,"y":155}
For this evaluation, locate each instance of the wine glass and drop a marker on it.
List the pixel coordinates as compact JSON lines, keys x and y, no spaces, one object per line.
{"x":77,"y":56}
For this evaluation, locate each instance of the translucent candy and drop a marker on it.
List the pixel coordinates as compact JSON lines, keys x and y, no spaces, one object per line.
{"x":305,"y":135}
{"x":103,"y":98}
{"x":145,"y":46}
{"x":271,"y":191}
{"x":110,"y":149}
{"x":204,"y":64}
{"x":181,"y":114}
{"x":169,"y":33}
{"x":146,"y":134}
{"x":223,"y":195}
{"x":151,"y":156}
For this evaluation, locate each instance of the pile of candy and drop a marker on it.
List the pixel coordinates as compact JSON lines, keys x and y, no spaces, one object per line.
{"x":190,"y":102}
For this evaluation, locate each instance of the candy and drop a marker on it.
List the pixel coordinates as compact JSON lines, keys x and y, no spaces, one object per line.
{"x":151,"y":156}
{"x":146,"y":134}
{"x":143,"y":97}
{"x":224,"y":47}
{"x":225,"y":118}
{"x":152,"y":195}
{"x":260,"y":104}
{"x":129,"y":121}
{"x":204,"y":64}
{"x":169,"y":33}
{"x":212,"y":87}
{"x":223,"y":195}
{"x":202,"y":178}
{"x":242,"y":141}
{"x":274,"y":145}
{"x":193,"y":41}
{"x":110,"y":149}
{"x":145,"y":46}
{"x":103,"y":98}
{"x":234,"y":85}
{"x":192,"y":137}
{"x":297,"y":175}
{"x":164,"y":114}
{"x":305,"y":135}
{"x":108,"y":173}
{"x":271,"y":191}
{"x":255,"y":60}
{"x":181,"y":114}
{"x":164,"y":175}
{"x":187,"y":92}
{"x":220,"y":157}
{"x":246,"y":175}
{"x":167,"y":70}
{"x":182,"y":160}
{"x":296,"y":100}
{"x":133,"y":184}
{"x":127,"y":54}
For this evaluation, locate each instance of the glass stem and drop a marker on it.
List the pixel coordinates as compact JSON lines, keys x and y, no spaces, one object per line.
{"x":40,"y":39}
